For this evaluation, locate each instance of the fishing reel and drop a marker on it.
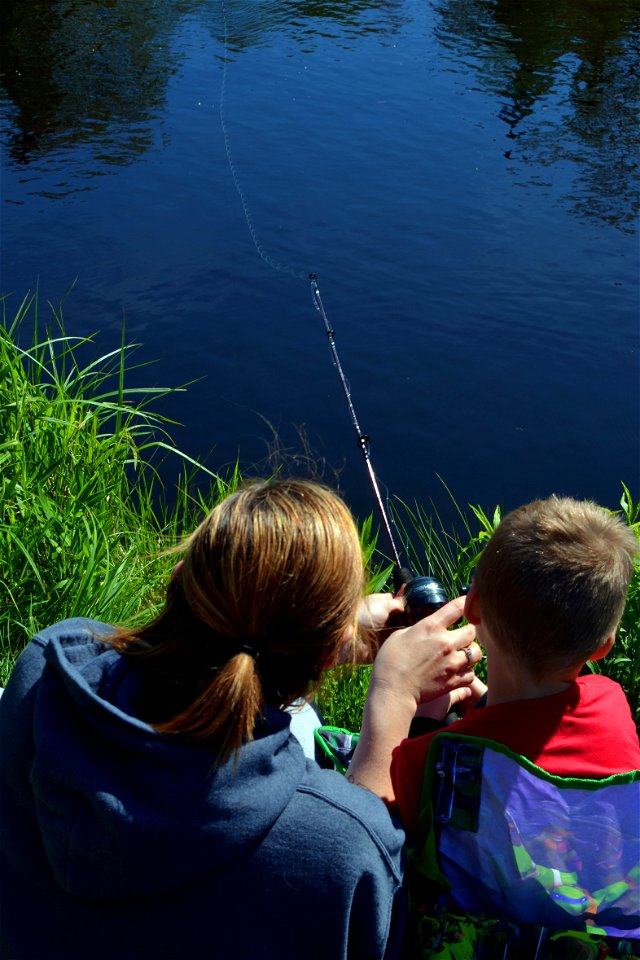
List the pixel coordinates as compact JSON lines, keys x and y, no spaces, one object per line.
{"x":422,"y":595}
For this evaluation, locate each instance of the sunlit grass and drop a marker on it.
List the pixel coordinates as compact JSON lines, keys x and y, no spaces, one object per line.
{"x":83,"y":519}
{"x":623,"y":663}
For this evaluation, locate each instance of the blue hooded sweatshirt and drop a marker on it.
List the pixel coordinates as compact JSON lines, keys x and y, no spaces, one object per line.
{"x":119,"y":843}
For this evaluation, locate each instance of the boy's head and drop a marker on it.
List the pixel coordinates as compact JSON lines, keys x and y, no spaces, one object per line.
{"x":552,"y":582}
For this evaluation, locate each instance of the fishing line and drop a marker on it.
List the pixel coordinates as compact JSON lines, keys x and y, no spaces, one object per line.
{"x":260,"y":249}
{"x":364,"y":442}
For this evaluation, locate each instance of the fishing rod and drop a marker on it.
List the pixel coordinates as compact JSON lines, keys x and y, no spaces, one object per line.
{"x":364,"y":441}
{"x":422,"y":595}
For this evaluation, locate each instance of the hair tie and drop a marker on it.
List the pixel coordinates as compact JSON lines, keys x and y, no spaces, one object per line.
{"x":248,"y":648}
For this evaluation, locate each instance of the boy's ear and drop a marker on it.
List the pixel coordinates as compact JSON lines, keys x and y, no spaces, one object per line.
{"x":603,"y":650}
{"x":175,"y":573}
{"x":472,"y":605}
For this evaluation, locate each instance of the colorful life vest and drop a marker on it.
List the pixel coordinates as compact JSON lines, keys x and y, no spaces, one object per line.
{"x":516,"y":863}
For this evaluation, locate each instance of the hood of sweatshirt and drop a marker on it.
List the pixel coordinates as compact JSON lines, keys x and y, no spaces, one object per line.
{"x":125,"y":811}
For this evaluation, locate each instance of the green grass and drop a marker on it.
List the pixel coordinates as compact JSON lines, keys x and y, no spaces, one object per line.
{"x":341,"y":696}
{"x":623,"y":663}
{"x":84,"y":520}
{"x":448,"y":553}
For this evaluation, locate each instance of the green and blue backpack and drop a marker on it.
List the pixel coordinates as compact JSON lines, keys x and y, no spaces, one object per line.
{"x":516,"y":863}
{"x":513,"y":863}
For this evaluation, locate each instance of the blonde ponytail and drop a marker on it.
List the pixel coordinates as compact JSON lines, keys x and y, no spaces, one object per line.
{"x":225,"y":710}
{"x":267,"y":592}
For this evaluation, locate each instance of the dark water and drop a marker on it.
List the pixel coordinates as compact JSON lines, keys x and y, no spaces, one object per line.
{"x":462,"y":176}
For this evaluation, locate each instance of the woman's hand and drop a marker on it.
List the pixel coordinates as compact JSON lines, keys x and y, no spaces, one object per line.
{"x":380,"y":612}
{"x":415,"y":665}
{"x":378,"y":615}
{"x":427,"y":660}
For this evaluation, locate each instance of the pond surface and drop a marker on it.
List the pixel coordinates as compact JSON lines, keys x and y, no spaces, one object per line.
{"x":461,"y":176}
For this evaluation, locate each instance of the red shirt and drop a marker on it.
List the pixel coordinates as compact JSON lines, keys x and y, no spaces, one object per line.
{"x":586,"y":731}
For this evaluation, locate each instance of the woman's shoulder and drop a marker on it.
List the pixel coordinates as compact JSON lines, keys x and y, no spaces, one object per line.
{"x":351,"y":811}
{"x":76,"y":631}
{"x":73,"y":629}
{"x":73,"y":639}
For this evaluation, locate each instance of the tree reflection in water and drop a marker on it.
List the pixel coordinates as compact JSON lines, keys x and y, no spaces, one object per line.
{"x":74,"y":69}
{"x":565,"y":73}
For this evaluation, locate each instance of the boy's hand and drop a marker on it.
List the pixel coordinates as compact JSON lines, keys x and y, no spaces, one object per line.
{"x":463,"y":697}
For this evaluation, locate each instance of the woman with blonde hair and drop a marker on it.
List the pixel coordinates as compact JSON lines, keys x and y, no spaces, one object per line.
{"x":154,"y":801}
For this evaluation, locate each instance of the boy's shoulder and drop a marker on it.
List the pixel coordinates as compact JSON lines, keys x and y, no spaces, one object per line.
{"x":604,"y":699}
{"x":598,"y":681}
{"x":567,"y":734}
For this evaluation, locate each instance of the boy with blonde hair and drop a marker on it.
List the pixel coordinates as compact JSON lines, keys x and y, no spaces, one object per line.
{"x":547,"y":597}
{"x":523,"y":815}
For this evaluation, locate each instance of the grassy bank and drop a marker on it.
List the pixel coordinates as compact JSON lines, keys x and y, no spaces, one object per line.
{"x":84,"y":520}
